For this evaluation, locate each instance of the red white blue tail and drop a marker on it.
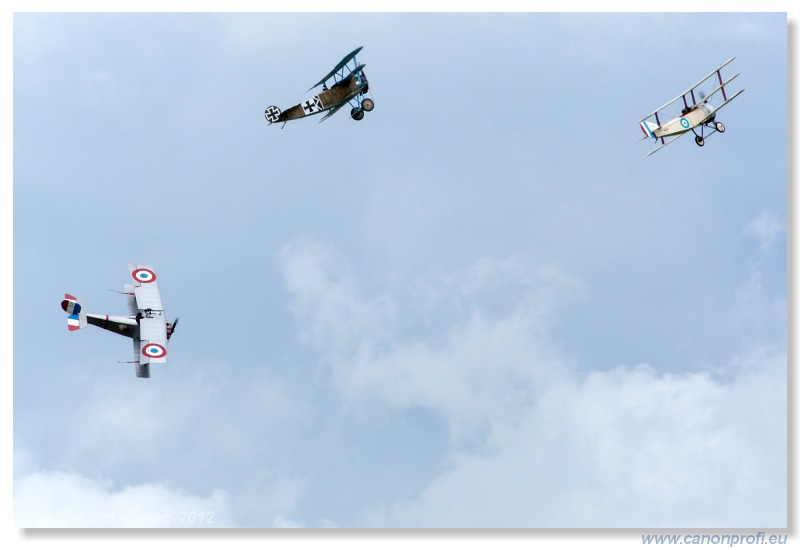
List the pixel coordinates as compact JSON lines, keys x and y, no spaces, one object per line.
{"x":648,"y":128}
{"x":77,"y":316}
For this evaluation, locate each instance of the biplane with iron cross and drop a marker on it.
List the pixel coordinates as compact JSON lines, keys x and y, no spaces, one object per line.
{"x":349,"y":88}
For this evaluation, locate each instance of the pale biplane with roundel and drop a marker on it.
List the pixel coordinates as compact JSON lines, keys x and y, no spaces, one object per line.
{"x":349,"y":88}
{"x":145,"y":323}
{"x":692,"y":111}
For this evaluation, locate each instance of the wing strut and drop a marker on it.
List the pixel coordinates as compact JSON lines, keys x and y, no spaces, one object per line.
{"x":659,"y":125}
{"x":668,"y":103}
{"x":341,"y":64}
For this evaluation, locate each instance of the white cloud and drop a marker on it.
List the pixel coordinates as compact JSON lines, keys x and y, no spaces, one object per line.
{"x":200,"y":429}
{"x":204,"y":404}
{"x":538,"y":440}
{"x":625,"y":448}
{"x":65,"y":499}
{"x":754,"y":307}
{"x":326,"y":296}
{"x":767,"y":227}
{"x":479,"y":371}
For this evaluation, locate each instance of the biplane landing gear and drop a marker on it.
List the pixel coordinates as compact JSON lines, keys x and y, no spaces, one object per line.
{"x":720,"y":127}
{"x":356,"y":113}
{"x":699,"y":141}
{"x":368,"y":104}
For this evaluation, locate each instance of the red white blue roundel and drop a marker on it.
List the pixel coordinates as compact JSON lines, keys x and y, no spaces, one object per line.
{"x":154,"y":350}
{"x":143,"y":275}
{"x":684,"y":122}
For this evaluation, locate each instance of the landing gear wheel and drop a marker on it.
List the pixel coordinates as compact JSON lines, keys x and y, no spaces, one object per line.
{"x":367,"y":104}
{"x":699,"y":141}
{"x":720,"y":127}
{"x":356,"y":113}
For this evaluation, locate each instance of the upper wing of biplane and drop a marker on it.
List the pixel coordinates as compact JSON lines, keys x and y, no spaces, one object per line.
{"x":709,"y":75}
{"x":345,"y":60}
{"x":728,"y":100}
{"x":720,"y":88}
{"x":145,"y":288}
{"x":152,"y":341}
{"x":691,"y":90}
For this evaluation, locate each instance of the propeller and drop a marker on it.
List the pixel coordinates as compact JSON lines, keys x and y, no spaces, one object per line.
{"x":174,"y":324}
{"x":702,"y":95}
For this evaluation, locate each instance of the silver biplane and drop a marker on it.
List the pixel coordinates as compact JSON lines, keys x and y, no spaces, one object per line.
{"x":689,"y":112}
{"x":348,"y":88}
{"x":145,"y":322}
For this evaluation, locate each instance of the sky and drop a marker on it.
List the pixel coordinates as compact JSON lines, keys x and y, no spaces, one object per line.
{"x":479,"y":306}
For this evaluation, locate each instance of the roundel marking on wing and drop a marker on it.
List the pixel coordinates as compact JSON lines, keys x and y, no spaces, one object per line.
{"x":684,"y":122}
{"x":143,"y":275}
{"x":154,"y":350}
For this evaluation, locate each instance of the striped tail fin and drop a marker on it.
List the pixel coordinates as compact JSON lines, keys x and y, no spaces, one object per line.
{"x":648,"y":128}
{"x":77,"y":316}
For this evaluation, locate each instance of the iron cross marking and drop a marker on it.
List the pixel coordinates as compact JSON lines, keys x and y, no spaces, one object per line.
{"x":273,"y":113}
{"x":312,"y":105}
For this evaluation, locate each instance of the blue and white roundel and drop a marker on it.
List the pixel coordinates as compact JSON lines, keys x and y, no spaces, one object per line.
{"x":154,"y":350}
{"x":143,"y":275}
{"x":684,"y":123}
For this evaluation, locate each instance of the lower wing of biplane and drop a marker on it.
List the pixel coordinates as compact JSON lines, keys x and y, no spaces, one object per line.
{"x":691,"y":111}
{"x":145,"y":323}
{"x":349,"y":87}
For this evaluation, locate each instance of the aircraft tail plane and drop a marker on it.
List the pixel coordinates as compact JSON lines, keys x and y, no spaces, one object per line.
{"x":77,"y":316}
{"x":273,"y":114}
{"x":648,"y":128}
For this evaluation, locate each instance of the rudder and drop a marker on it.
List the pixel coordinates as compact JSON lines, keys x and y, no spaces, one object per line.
{"x":272,"y":114}
{"x":77,"y":316}
{"x":648,"y":128}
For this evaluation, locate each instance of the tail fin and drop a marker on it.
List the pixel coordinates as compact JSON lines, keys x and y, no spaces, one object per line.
{"x":77,"y":317}
{"x":272,"y":114}
{"x":648,"y":128}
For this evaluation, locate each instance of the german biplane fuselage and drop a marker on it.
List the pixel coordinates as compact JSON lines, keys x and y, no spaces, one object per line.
{"x":349,"y":88}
